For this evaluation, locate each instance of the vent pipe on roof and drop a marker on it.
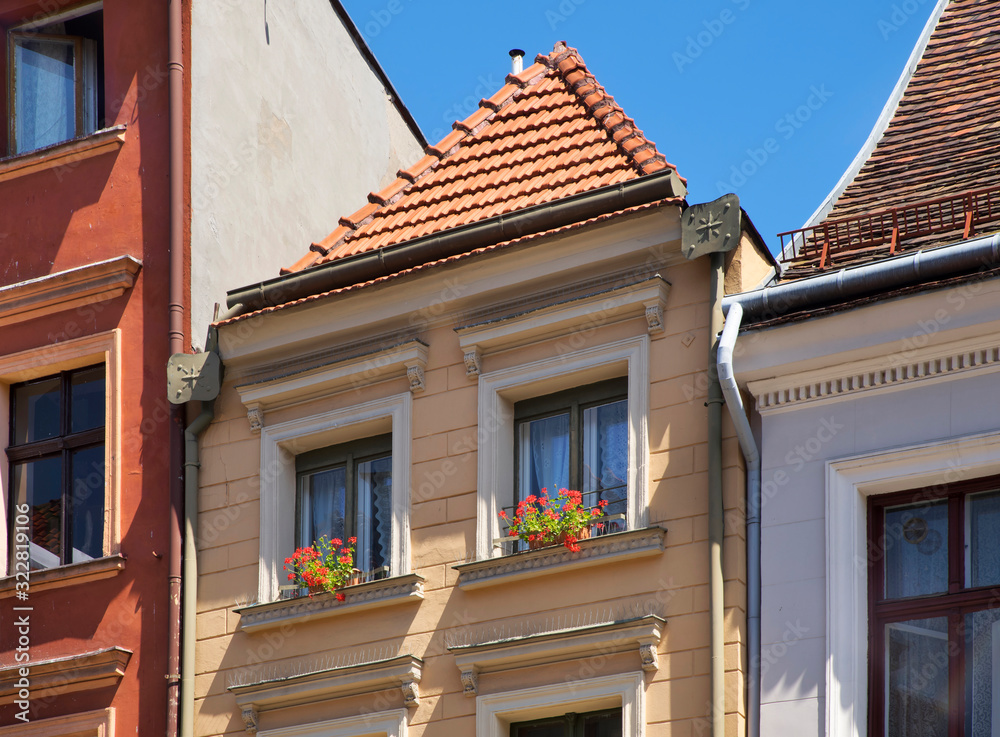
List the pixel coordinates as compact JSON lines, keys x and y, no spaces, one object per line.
{"x":516,"y":61}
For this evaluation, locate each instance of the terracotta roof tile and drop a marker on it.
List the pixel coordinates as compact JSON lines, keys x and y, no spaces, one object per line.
{"x":551,"y":131}
{"x":944,"y":137}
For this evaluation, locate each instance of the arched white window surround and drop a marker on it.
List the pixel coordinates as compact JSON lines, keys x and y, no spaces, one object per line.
{"x":281,"y":442}
{"x":498,"y":390}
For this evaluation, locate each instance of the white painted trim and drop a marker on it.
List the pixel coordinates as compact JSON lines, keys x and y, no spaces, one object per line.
{"x":280,"y":443}
{"x":35,"y":363}
{"x":380,"y":724}
{"x":498,"y":390}
{"x":832,"y":383}
{"x":99,"y":723}
{"x":350,"y":374}
{"x":603,"y":308}
{"x":495,"y":712}
{"x":849,"y":483}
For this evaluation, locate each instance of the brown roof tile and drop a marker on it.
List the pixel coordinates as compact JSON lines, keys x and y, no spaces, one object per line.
{"x":550,"y":132}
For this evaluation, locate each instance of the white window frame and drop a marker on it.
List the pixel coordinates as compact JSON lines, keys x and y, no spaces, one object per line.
{"x":496,"y":712}
{"x":281,"y":442}
{"x":499,"y":390}
{"x":101,"y":348}
{"x":849,"y":483}
{"x":379,"y":724}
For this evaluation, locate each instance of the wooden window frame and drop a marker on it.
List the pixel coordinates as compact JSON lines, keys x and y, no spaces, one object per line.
{"x":573,"y":722}
{"x":574,"y":402}
{"x":64,"y":445}
{"x":958,"y":601}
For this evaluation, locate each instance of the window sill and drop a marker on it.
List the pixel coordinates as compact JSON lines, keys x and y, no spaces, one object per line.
{"x":369,"y":595}
{"x":62,"y":154}
{"x":68,"y":575}
{"x":529,"y":564}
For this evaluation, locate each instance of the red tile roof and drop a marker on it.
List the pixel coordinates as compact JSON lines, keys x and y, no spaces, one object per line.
{"x":550,"y":132}
{"x":943,"y":139}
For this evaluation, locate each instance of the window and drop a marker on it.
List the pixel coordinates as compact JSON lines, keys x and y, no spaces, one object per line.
{"x":934,"y":578}
{"x":519,"y":410}
{"x":346,"y":491}
{"x":606,"y":723}
{"x":56,"y":78}
{"x":56,"y":460}
{"x":576,"y":439}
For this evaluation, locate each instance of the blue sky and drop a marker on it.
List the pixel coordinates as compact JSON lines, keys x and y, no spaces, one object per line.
{"x":771,"y":100}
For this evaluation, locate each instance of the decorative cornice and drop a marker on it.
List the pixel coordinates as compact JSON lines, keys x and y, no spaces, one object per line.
{"x":645,"y":298}
{"x":407,"y":359}
{"x":401,"y":672}
{"x":892,"y":371}
{"x":64,"y":156}
{"x":595,"y":551}
{"x":383,"y":592}
{"x":65,"y":290}
{"x":83,"y":672}
{"x":641,"y":634}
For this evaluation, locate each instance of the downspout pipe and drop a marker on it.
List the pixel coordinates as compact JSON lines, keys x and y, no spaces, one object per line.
{"x":190,"y":580}
{"x":734,"y":401}
{"x":716,"y":511}
{"x":175,"y":332}
{"x":390,"y":260}
{"x":912,"y":269}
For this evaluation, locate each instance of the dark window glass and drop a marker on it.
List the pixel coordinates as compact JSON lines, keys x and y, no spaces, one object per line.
{"x":605,"y":723}
{"x":346,"y":491}
{"x":935,"y":620}
{"x":57,"y":472}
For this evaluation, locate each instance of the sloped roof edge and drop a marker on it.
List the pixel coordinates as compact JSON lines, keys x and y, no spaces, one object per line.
{"x":888,"y":112}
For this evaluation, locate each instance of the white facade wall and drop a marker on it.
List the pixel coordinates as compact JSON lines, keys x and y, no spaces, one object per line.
{"x":935,"y":419}
{"x":290,"y":128}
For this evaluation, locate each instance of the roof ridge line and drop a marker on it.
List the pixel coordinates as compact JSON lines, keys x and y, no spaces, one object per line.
{"x":569,"y":64}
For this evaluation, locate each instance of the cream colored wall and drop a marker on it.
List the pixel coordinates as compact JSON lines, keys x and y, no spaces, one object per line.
{"x":443,"y":525}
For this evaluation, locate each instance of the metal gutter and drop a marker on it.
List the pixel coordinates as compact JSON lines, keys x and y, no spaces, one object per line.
{"x":394,"y":98}
{"x":734,"y":401}
{"x":965,"y":257}
{"x":392,"y":259}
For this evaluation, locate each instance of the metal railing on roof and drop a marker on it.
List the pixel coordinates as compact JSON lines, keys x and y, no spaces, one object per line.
{"x":884,"y":232}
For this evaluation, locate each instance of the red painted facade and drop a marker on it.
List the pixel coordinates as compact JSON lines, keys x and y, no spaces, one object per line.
{"x":59,"y":218}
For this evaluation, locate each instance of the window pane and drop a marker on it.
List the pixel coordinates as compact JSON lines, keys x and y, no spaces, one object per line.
{"x":374,"y":513}
{"x":982,"y":673}
{"x":983,"y":531}
{"x":916,"y":674}
{"x":605,"y":455}
{"x":37,"y":409}
{"x":603,"y":725}
{"x":87,"y":399}
{"x":87,"y":514}
{"x":916,"y":549}
{"x":322,"y":505}
{"x":544,"y":454}
{"x":45,"y":98}
{"x":38,"y":484}
{"x":551,"y":728}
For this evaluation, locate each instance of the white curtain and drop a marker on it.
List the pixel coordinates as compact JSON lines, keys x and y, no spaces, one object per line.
{"x":548,"y":447}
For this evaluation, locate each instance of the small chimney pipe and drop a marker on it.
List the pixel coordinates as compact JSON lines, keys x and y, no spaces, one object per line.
{"x":516,"y":61}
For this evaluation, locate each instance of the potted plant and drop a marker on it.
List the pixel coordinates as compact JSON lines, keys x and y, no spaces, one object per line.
{"x":324,"y":566}
{"x":540,"y":521}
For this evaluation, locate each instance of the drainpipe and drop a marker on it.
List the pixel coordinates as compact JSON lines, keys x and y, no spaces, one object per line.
{"x":714,"y":228}
{"x":734,"y":401}
{"x":175,"y":72}
{"x":716,"y":522}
